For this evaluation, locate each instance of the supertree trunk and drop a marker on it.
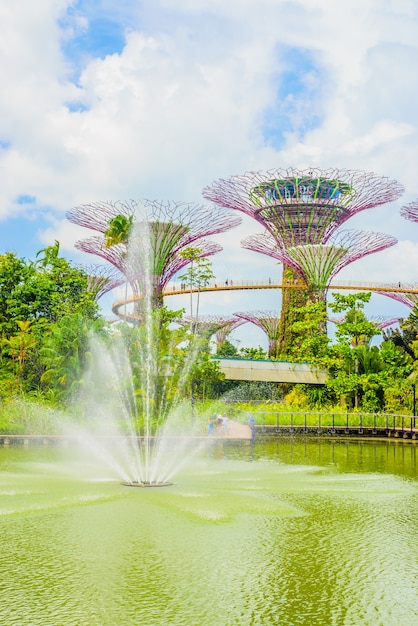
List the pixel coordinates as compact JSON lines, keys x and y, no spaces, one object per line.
{"x":292,"y":298}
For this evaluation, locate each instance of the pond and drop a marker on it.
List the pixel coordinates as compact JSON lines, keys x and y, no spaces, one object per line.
{"x":289,"y":532}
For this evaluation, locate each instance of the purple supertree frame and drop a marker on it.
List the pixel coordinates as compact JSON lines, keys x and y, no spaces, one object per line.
{"x":317,"y":264}
{"x":207,"y":325}
{"x":410,"y":211}
{"x":131,"y":267}
{"x":303,"y":206}
{"x":380,"y":321}
{"x":200,"y":220}
{"x":408,"y":299}
{"x":160,"y":232}
{"x":97,"y":215}
{"x":229,"y":323}
{"x":102,"y":278}
{"x":269,"y":322}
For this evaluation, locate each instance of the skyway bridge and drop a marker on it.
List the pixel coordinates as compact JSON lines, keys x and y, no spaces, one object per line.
{"x":175,"y":289}
{"x":272,"y":371}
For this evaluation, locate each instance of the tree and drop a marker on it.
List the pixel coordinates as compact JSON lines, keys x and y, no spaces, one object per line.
{"x":34,"y":296}
{"x":355,"y":329}
{"x":18,"y":347}
{"x":257,"y":354}
{"x":65,"y":354}
{"x":226,"y":350}
{"x":353,"y":337}
{"x":198,"y":274}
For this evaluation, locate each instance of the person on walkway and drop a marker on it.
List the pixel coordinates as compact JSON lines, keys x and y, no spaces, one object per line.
{"x":219,"y":425}
{"x":225,"y":424}
{"x":211,"y":424}
{"x":251,"y":424}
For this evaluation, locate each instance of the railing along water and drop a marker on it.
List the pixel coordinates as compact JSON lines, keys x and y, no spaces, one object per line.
{"x":348,"y":424}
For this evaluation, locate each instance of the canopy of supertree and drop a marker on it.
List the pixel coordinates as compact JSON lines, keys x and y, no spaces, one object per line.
{"x":229,"y":323}
{"x":102,"y":278}
{"x":317,"y":264}
{"x":269,"y":322}
{"x":204,"y":325}
{"x":303,"y":206}
{"x":196,"y":220}
{"x":410,"y":211}
{"x":148,"y":252}
{"x":380,"y":321}
{"x":134,"y":265}
{"x":408,"y":299}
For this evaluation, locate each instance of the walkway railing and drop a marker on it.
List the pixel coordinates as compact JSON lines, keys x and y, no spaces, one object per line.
{"x":308,"y":422}
{"x":175,"y":289}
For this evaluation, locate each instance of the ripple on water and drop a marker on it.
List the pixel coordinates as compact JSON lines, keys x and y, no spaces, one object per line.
{"x":242,"y":543}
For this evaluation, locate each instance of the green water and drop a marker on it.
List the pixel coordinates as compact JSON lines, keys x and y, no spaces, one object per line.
{"x":311,"y":533}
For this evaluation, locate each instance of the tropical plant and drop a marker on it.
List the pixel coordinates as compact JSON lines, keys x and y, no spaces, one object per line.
{"x":198,"y":274}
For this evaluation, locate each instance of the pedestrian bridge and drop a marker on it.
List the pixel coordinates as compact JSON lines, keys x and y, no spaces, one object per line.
{"x":272,"y":371}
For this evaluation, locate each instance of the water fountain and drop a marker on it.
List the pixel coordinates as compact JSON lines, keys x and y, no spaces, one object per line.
{"x":137,"y":428}
{"x":135,"y":420}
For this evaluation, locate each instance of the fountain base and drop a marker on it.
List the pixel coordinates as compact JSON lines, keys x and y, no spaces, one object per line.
{"x":145,"y":483}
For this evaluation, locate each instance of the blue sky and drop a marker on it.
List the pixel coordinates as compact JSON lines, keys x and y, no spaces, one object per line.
{"x":115,"y":100}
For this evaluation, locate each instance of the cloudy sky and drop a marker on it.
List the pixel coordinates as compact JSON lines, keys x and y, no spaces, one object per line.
{"x":112,"y":100}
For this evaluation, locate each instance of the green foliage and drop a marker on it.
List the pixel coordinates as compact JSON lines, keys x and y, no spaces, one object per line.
{"x":119,"y":230}
{"x":226,"y":350}
{"x":256,"y":354}
{"x":309,"y":331}
{"x":254,"y":391}
{"x":355,"y":328}
{"x":65,"y":354}
{"x":292,"y":299}
{"x":198,"y":274}
{"x":297,"y":398}
{"x":34,"y":297}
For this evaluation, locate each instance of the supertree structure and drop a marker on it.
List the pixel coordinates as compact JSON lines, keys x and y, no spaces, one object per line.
{"x":303,"y":206}
{"x":380,"y":321}
{"x":300,"y":207}
{"x":149,"y":254}
{"x":229,"y":323}
{"x":205,"y":325}
{"x":408,"y":299}
{"x":269,"y":322}
{"x":97,"y":215}
{"x":102,"y":278}
{"x":317,"y":264}
{"x":134,"y":270}
{"x":410,"y":211}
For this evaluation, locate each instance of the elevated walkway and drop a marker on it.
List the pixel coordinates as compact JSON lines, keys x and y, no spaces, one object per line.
{"x":272,"y":371}
{"x":175,"y":289}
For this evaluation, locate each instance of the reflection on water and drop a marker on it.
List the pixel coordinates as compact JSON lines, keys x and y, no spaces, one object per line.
{"x":284,"y":532}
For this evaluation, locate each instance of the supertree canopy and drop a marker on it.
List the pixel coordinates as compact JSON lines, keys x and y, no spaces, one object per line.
{"x":102,"y":278}
{"x":303,"y":206}
{"x":229,"y":323}
{"x":134,"y":267}
{"x":206,"y":325}
{"x":410,"y":211}
{"x":269,"y":322}
{"x":408,"y":299}
{"x":380,"y":321}
{"x":145,"y":239}
{"x":317,"y":264}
